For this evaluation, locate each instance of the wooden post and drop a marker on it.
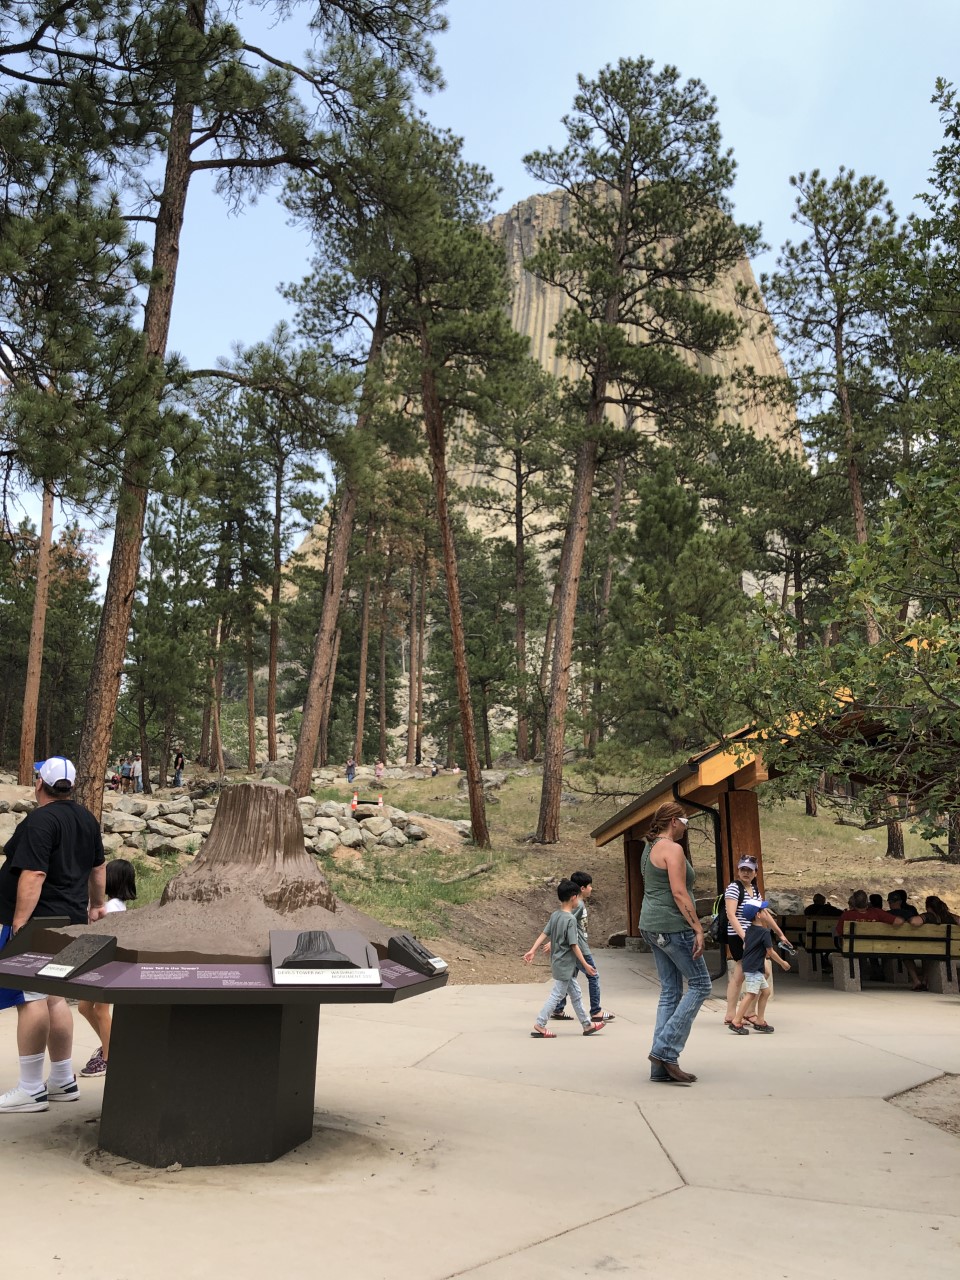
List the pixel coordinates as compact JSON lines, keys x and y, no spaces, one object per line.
{"x":740,"y":832}
{"x":632,"y":848}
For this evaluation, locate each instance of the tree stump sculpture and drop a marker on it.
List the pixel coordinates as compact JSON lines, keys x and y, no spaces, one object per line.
{"x":255,"y":847}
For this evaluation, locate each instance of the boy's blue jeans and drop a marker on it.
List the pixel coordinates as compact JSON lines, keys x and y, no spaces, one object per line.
{"x":593,"y":985}
{"x":562,"y":987}
{"x":673,"y":955}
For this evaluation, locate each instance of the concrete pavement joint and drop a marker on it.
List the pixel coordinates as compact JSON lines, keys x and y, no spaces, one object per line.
{"x":659,"y":1142}
{"x":558,"y":1235}
{"x":456,"y":1036}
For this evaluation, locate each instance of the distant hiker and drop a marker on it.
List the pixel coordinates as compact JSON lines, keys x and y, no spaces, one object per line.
{"x":351,"y":769}
{"x":178,"y":764}
{"x":136,"y":773}
{"x":379,"y":771}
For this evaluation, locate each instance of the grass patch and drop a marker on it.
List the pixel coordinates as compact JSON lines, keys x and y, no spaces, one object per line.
{"x":420,"y":903}
{"x":151,"y":881}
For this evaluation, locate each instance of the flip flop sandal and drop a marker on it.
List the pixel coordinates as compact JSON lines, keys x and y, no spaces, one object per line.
{"x":562,"y":1017}
{"x":603,"y":1017}
{"x":541,"y":1033}
{"x":759,"y":1026}
{"x":592,"y":1028}
{"x":739,"y":1031}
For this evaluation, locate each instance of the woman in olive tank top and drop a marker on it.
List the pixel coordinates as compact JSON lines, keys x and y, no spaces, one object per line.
{"x":670,"y":927}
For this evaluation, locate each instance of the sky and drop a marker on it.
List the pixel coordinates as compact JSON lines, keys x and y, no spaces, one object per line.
{"x":799,"y":86}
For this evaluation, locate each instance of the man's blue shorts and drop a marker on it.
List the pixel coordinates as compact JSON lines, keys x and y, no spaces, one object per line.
{"x":9,"y":999}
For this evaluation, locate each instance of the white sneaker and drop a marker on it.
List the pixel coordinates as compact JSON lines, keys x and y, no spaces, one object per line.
{"x":18,"y":1099}
{"x":63,"y":1092}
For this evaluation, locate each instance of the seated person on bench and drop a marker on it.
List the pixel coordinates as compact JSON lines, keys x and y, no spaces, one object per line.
{"x":859,"y":909}
{"x":899,"y":906}
{"x":821,"y":907}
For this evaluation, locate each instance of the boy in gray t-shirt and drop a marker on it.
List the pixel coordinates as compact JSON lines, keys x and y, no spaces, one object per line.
{"x":565,"y":955}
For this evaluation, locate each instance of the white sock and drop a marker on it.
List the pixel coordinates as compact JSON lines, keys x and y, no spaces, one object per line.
{"x":31,"y":1072}
{"x":61,"y":1072}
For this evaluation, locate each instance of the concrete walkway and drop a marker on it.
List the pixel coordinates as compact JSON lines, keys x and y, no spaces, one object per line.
{"x":448,"y":1143}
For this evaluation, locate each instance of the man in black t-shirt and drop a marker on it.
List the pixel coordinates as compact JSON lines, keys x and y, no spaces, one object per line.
{"x":54,"y":867}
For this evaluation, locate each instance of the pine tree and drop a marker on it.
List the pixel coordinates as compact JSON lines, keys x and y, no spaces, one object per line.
{"x":649,"y":186}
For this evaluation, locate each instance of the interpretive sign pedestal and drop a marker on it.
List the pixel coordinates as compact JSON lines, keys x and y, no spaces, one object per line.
{"x":211,"y":1062}
{"x":203,"y":1084}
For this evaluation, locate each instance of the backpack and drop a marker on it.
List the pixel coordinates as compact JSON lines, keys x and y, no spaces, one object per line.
{"x":717,"y":928}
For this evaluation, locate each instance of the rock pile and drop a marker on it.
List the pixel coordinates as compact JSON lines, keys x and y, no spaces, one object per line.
{"x":134,"y":825}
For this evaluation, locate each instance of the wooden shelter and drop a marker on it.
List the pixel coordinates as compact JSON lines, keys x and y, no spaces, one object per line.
{"x":720,"y":782}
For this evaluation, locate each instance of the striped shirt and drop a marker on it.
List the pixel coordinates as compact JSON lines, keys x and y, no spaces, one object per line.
{"x":732,"y":891}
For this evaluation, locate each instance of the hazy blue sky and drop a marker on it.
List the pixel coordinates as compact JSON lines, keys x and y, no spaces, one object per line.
{"x":798,"y":86}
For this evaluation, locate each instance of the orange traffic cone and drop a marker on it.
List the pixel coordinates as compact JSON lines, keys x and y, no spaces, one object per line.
{"x":379,"y":802}
{"x":353,"y":802}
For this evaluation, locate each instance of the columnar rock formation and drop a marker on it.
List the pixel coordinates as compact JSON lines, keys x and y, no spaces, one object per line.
{"x":536,"y":308}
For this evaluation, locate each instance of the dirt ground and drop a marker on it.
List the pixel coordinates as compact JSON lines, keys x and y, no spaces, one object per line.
{"x":937,"y":1102}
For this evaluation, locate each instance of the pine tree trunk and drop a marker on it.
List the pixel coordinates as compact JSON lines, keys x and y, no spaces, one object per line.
{"x":323,"y":738}
{"x":364,"y":644}
{"x":810,"y":802}
{"x":320,"y":682}
{"x":421,"y":648}
{"x":251,"y":708}
{"x":412,"y":671}
{"x":485,"y":726}
{"x":38,"y":623}
{"x":568,"y":580}
{"x":144,"y":746}
{"x":433,"y":417}
{"x":107,"y":666}
{"x":545,"y":663}
{"x":273,"y":657}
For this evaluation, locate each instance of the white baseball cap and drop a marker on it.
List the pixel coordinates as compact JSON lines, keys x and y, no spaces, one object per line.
{"x":57,"y":772}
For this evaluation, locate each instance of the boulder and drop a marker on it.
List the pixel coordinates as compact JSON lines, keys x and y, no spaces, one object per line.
{"x":112,"y":843}
{"x":279,"y":770}
{"x":464,"y":828}
{"x":23,"y":806}
{"x":352,"y":838}
{"x":332,"y":809}
{"x":166,"y":829}
{"x":328,"y":824}
{"x":124,"y":824}
{"x":493,"y":780}
{"x":182,"y":820}
{"x":415,"y":832}
{"x":366,"y":811}
{"x":325,"y":842}
{"x":161,"y":846}
{"x":308,"y":808}
{"x":393,"y":839}
{"x":8,"y":824}
{"x":378,"y":826}
{"x":368,"y":840}
{"x":184,"y":805}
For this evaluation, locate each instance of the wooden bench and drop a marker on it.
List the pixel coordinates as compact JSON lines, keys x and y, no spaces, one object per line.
{"x":794,"y":927}
{"x":817,"y":941}
{"x":937,"y":945}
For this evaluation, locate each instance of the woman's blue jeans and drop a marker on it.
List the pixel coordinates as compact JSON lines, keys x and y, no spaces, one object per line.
{"x":673,"y":954}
